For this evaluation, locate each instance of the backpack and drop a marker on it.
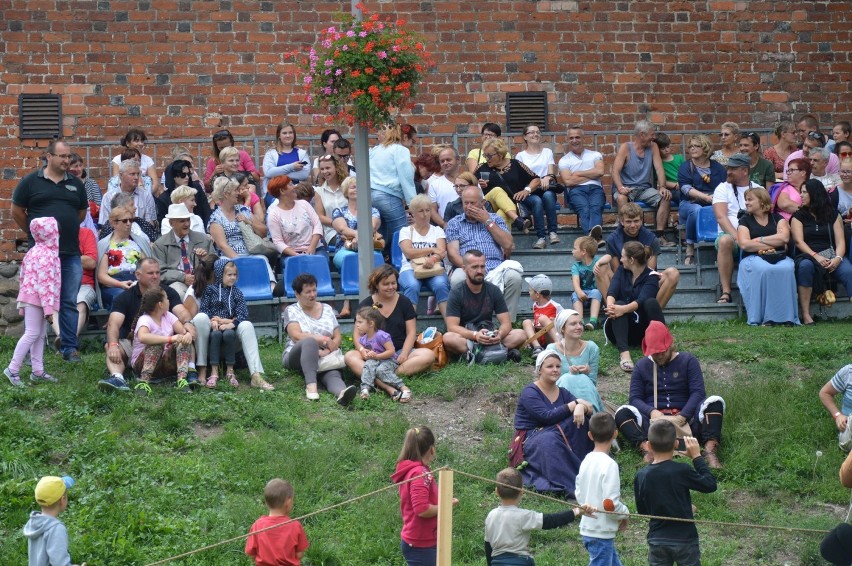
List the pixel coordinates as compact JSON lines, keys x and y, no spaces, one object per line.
{"x":479,"y":354}
{"x":774,"y":193}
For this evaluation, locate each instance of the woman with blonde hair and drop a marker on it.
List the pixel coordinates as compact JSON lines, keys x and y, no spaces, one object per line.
{"x":392,"y":180}
{"x":332,"y":173}
{"x":729,"y":135}
{"x":697,"y":178}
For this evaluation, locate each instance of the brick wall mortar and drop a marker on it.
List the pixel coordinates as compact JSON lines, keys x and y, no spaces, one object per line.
{"x":181,"y":68}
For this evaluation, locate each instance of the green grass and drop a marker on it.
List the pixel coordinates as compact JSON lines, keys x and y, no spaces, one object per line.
{"x":162,"y":475}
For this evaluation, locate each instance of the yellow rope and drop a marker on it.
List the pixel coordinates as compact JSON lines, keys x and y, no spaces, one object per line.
{"x":640,"y":516}
{"x":311,"y":514}
{"x":480,"y":478}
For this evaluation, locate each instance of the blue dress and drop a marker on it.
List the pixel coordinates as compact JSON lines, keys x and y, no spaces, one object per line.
{"x":551,"y":464}
{"x":581,"y":385}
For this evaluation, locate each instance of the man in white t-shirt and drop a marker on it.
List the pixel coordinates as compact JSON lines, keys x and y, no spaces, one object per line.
{"x":728,"y":203}
{"x":581,"y":170}
{"x":441,"y":189}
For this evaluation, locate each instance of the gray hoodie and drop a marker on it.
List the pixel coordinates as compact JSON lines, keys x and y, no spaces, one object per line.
{"x":47,"y":541}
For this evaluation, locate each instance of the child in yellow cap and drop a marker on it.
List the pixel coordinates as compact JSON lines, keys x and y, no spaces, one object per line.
{"x":47,"y":538}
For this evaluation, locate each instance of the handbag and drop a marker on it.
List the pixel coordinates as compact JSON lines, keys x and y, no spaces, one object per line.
{"x":257,"y":245}
{"x":333,"y":360}
{"x":516,"y":448}
{"x":772,"y":256}
{"x":352,"y":245}
{"x":422,"y":272}
{"x":431,"y":339}
{"x":680,"y":423}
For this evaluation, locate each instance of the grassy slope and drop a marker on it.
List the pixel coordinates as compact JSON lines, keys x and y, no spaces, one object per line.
{"x":170,"y":473}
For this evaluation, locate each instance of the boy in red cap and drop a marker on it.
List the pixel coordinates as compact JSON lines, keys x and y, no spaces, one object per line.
{"x":668,"y":383}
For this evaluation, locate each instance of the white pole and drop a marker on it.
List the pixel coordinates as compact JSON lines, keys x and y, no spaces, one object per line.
{"x":365,"y":200}
{"x":445,"y":518}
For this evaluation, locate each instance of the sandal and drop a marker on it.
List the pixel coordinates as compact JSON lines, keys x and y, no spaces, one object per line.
{"x":724,"y":298}
{"x":626,"y":365}
{"x":405,"y":396}
{"x":260,"y":383}
{"x":232,"y":379}
{"x":396,"y":395}
{"x":689,"y":259}
{"x":365,"y":392}
{"x":211,"y":381}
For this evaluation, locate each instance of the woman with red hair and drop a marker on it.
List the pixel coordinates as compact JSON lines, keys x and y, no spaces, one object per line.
{"x":294,"y":225}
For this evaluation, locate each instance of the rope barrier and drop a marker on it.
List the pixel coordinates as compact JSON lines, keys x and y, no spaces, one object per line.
{"x":311,"y":514}
{"x":488,"y":480}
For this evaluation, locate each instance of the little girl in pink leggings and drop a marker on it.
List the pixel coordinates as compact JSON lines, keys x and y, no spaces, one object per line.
{"x":38,"y":299}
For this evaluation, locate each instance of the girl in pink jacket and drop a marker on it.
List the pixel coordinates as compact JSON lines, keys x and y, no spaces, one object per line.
{"x":38,"y":299}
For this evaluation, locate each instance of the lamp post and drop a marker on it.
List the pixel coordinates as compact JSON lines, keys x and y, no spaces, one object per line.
{"x":365,"y":199}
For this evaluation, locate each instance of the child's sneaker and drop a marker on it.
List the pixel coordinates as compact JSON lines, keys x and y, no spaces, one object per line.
{"x":42,"y":377}
{"x":536,"y":351}
{"x":14,"y":378}
{"x":589,"y":326}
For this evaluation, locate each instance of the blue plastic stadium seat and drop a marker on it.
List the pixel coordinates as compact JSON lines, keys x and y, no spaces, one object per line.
{"x":349,"y":272}
{"x":395,"y":251}
{"x":253,"y":277}
{"x":707,"y":228}
{"x":316,"y":265}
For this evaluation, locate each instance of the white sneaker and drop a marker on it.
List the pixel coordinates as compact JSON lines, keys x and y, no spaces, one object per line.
{"x":539,"y":244}
{"x":554,"y":238}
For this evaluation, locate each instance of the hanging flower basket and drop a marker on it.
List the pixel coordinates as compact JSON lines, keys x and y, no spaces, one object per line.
{"x":363,"y":72}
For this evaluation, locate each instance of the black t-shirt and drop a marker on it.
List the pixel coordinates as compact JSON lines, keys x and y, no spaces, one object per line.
{"x":63,"y":201}
{"x":476,"y":308}
{"x":395,"y":323}
{"x":512,"y":180}
{"x":615,"y":242}
{"x":817,"y":236}
{"x":755,"y":230}
{"x":128,"y":303}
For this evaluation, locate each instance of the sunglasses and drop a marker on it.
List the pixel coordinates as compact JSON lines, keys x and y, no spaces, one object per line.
{"x":221,"y":134}
{"x":124,"y":220}
{"x":489,"y":155}
{"x":182,"y":175}
{"x":816,"y":136}
{"x":846,"y":154}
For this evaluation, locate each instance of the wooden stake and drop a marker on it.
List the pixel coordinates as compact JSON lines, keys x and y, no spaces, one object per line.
{"x":445,"y":517}
{"x":544,"y":330}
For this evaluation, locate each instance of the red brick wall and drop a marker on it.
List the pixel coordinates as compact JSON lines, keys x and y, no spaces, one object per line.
{"x":180,"y":68}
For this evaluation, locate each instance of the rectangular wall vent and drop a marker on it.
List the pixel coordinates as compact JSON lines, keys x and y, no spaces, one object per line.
{"x":40,"y":116}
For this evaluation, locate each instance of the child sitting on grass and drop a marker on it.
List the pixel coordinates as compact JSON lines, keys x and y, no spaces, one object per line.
{"x":47,"y":538}
{"x":380,"y":365}
{"x":38,"y":299}
{"x":161,"y":344}
{"x":280,"y":544}
{"x":662,"y":489}
{"x":544,"y":312}
{"x":226,"y":307}
{"x":507,"y":527}
{"x":599,"y":485}
{"x":583,"y":278}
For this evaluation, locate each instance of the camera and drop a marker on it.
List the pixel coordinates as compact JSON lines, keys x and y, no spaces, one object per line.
{"x":491,"y":333}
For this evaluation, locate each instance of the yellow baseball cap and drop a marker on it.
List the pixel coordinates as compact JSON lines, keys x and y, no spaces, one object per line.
{"x":50,"y":489}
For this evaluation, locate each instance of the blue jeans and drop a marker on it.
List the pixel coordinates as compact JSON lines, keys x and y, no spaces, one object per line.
{"x":688,"y":214}
{"x":588,"y":202}
{"x":410,"y":286}
{"x":538,"y":206}
{"x":392,"y":212}
{"x":72,"y":274}
{"x":418,"y":556}
{"x":601,"y":551}
{"x":843,"y":273}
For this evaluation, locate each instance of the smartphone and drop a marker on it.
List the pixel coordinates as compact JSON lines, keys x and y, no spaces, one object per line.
{"x":303,"y":162}
{"x":681,"y":445}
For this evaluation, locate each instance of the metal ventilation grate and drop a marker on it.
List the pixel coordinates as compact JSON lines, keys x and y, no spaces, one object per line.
{"x":524,"y":108}
{"x":40,"y":116}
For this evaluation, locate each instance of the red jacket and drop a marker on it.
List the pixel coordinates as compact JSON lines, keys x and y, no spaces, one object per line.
{"x":415,"y":497}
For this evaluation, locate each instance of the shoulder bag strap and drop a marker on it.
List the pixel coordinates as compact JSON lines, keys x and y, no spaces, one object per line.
{"x":565,"y":438}
{"x":655,"y":383}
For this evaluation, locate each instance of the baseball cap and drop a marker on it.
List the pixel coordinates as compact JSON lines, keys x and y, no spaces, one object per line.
{"x":539,"y":283}
{"x":657,"y":338}
{"x":50,"y":489}
{"x":739,"y":160}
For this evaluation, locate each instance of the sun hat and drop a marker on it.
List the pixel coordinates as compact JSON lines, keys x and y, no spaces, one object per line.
{"x":178,"y":211}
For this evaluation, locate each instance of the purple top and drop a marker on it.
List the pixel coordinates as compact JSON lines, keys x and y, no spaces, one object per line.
{"x":535,"y":410}
{"x":377,"y":342}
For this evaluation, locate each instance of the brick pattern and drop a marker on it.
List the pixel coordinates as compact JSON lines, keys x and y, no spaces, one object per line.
{"x":180,"y":68}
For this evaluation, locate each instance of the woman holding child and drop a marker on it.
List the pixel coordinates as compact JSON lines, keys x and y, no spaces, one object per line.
{"x":766,"y":278}
{"x":551,"y":430}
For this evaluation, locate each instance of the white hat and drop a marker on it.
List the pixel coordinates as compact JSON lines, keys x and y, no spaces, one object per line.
{"x":178,"y":211}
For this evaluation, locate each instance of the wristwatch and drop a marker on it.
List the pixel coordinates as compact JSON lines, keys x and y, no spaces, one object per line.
{"x":489,"y":224}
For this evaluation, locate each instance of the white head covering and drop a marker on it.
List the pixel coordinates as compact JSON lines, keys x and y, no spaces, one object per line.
{"x":562,"y":318}
{"x":543,"y":356}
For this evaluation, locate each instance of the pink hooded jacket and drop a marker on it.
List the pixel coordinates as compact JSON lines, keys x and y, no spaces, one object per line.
{"x":415,"y":497}
{"x":40,"y":277}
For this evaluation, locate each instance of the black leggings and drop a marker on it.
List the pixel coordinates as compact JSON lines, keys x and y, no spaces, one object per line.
{"x":625,"y":331}
{"x":708,"y":429}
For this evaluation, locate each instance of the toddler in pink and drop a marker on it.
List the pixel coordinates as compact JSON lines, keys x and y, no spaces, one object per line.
{"x":38,"y":299}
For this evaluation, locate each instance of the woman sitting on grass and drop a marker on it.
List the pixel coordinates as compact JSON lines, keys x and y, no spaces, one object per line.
{"x":161,"y":344}
{"x":580,"y":358}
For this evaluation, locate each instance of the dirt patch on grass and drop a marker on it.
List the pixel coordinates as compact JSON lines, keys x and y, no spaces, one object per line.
{"x":205,"y":431}
{"x":457,"y":421}
{"x":722,"y":372}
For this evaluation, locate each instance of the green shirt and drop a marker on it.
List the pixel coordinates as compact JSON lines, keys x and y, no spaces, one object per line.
{"x":762,"y":173}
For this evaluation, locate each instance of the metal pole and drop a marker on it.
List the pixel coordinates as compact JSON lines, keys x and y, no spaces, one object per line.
{"x":365,"y":200}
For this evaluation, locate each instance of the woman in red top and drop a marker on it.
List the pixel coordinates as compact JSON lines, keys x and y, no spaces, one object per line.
{"x":418,"y":498}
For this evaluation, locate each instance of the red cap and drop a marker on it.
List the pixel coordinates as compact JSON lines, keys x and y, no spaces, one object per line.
{"x":657,"y":338}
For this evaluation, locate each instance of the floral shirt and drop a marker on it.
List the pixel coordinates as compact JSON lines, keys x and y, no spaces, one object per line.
{"x":39,"y":277}
{"x":351,"y":219}
{"x":232,"y":229}
{"x":122,"y":257}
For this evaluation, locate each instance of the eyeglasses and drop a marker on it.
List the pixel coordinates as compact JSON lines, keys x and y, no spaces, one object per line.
{"x":489,"y":156}
{"x":61,"y":155}
{"x":124,"y":220}
{"x":180,"y":220}
{"x":693,"y":146}
{"x":726,"y":134}
{"x":532,"y":132}
{"x":461,"y":186}
{"x":793,"y":171}
{"x":182,"y":175}
{"x":221,"y":134}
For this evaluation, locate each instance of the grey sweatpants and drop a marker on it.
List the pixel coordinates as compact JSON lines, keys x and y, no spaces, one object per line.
{"x":383,"y":370}
{"x":304,"y":358}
